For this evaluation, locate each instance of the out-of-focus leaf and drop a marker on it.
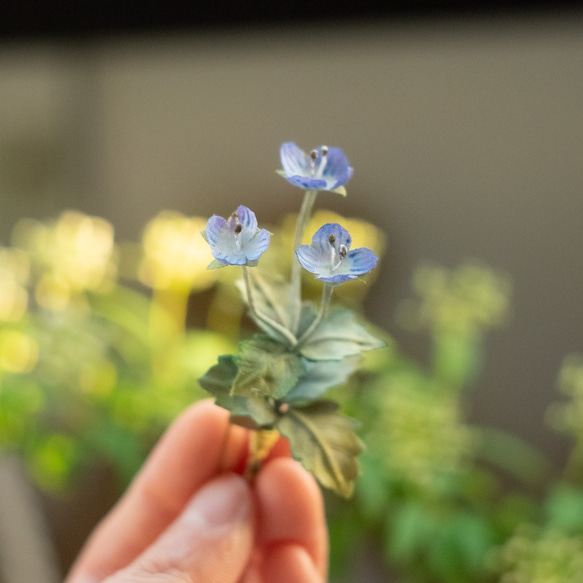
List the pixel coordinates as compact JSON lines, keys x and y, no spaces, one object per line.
{"x":266,"y":369}
{"x":339,"y":336}
{"x":460,"y":549}
{"x":513,"y":455}
{"x":564,"y":509}
{"x":372,"y":489}
{"x":320,"y":376}
{"x":325,"y":443}
{"x":249,"y":412}
{"x":456,"y":356}
{"x":410,"y":530}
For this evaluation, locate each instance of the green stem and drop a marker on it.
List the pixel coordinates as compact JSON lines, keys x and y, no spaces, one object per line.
{"x":292,"y":340}
{"x":296,"y":272}
{"x":324,"y":305}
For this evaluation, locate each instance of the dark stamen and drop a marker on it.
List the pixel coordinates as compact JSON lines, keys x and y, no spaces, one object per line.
{"x":343,"y":251}
{"x":313,"y":155}
{"x":238,"y":228}
{"x":324,"y":151}
{"x":332,"y":240}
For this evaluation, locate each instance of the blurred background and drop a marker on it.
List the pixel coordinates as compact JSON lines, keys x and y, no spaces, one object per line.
{"x":465,"y":130}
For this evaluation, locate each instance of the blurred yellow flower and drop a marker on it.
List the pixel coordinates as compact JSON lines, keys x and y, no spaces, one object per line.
{"x":175,"y":254}
{"x":18,"y":352}
{"x":73,"y":254}
{"x":14,"y":272}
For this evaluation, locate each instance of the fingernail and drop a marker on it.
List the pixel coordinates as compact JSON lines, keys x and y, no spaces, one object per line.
{"x":225,"y":500}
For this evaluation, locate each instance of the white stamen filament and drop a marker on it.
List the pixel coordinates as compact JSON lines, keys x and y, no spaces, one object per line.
{"x":323,"y":160}
{"x":238,"y":230}
{"x":336,"y":258}
{"x":317,"y":174}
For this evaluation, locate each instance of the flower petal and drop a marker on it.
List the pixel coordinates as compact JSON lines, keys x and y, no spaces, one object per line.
{"x":307,"y":183}
{"x":293,"y":159}
{"x":309,"y":258}
{"x":337,"y":172}
{"x":257,"y":245}
{"x":324,"y":173}
{"x":247,"y":219}
{"x":232,"y":247}
{"x":360,"y":261}
{"x":321,"y":238}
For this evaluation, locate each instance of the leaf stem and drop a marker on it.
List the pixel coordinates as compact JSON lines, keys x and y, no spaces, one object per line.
{"x":296,"y":273}
{"x":324,"y":305}
{"x":291,"y":339}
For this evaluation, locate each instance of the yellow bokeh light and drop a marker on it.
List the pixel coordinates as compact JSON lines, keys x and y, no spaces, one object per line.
{"x":18,"y":352}
{"x":175,"y":254}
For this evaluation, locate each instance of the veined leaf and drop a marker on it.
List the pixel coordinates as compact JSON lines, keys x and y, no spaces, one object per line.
{"x":250,"y":412}
{"x":266,"y":369}
{"x":325,"y":443}
{"x":272,"y":298}
{"x":320,"y":376}
{"x":339,"y":336}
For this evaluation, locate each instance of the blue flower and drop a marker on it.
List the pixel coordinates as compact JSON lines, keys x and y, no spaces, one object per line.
{"x":237,"y":240}
{"x":330,"y":258}
{"x":323,"y":169}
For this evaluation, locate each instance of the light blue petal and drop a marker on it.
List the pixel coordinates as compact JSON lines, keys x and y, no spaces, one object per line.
{"x":337,"y":278}
{"x":293,"y":159}
{"x":321,"y":238}
{"x":214,"y":226}
{"x":247,"y":219}
{"x":309,"y":258}
{"x":257,"y":245}
{"x":307,"y":183}
{"x":223,"y":240}
{"x":360,"y":261}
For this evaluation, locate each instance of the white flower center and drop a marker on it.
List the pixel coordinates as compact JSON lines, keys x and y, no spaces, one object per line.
{"x":336,"y":258}
{"x":238,"y":229}
{"x":317,"y":171}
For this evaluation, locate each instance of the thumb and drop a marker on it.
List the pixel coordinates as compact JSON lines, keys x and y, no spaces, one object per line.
{"x":210,"y":541}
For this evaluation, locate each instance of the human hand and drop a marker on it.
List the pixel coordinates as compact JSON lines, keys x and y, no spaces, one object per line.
{"x":188,"y":516}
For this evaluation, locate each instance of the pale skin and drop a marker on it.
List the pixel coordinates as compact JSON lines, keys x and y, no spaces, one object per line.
{"x":189,"y":516}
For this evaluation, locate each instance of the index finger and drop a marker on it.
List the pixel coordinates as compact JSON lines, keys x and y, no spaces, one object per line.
{"x":191,"y":452}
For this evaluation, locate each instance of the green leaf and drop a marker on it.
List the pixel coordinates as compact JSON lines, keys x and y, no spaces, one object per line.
{"x":339,"y":336}
{"x":373,"y":489}
{"x":340,"y":190}
{"x":564,"y":509}
{"x":272,"y":298}
{"x":325,"y":443}
{"x":411,"y":529}
{"x":320,"y":376}
{"x":216,"y":264}
{"x":252,"y":413}
{"x":204,"y":235}
{"x":266,"y":369}
{"x":456,"y":356}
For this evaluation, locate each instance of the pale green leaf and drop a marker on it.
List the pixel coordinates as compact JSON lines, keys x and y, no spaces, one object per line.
{"x":340,"y":190}
{"x":339,"y":336}
{"x":266,"y":369}
{"x":325,"y":443}
{"x":273,"y":299}
{"x":321,"y":376}
{"x":204,"y":235}
{"x":216,"y":264}
{"x":219,"y":380}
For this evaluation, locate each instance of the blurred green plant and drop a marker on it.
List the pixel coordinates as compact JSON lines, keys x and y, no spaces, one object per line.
{"x":93,"y":367}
